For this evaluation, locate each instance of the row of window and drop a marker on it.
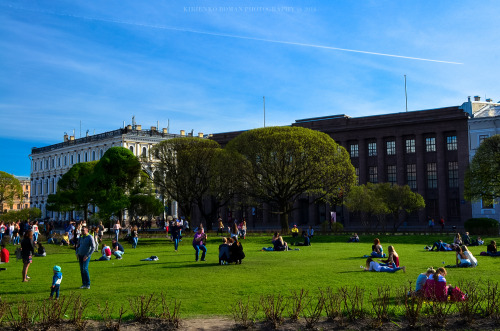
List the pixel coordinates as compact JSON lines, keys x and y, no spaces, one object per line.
{"x":411,"y":175}
{"x":390,"y":146}
{"x":73,"y":158}
{"x":62,"y":161}
{"x":45,"y":186}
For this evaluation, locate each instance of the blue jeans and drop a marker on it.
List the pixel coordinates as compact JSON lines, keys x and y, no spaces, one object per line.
{"x":55,"y":290}
{"x":134,"y":242}
{"x":117,"y":234}
{"x":198,"y":249}
{"x":439,"y":246}
{"x":176,"y":243}
{"x":464,"y":264}
{"x":35,"y":236}
{"x":104,"y":258}
{"x":387,"y":269}
{"x":118,"y":253}
{"x":84,"y":269}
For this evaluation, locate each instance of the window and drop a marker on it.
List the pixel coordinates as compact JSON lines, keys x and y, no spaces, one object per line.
{"x":100,"y":154}
{"x":431,"y":175}
{"x":357,"y":175}
{"x":65,"y":160}
{"x":430,"y":144}
{"x":410,"y":145}
{"x":71,"y":159}
{"x":373,"y":177}
{"x":354,"y":150}
{"x":391,"y":174}
{"x":144,"y":152}
{"x":93,"y":155}
{"x":85,"y":157}
{"x":58,"y":162}
{"x":391,"y":147}
{"x":487,"y":203}
{"x":46,"y":164}
{"x":41,"y":165}
{"x":131,"y":149}
{"x":482,"y":137}
{"x":411,"y":175}
{"x":372,"y":149}
{"x":451,"y":143}
{"x":34,"y":165}
{"x":453,"y":174}
{"x":78,"y":158}
{"x":52,"y":161}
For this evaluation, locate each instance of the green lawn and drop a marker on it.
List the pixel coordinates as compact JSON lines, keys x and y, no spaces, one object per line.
{"x":205,"y":288}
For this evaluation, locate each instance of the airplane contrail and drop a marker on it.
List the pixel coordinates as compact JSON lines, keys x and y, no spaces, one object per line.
{"x":225,"y":35}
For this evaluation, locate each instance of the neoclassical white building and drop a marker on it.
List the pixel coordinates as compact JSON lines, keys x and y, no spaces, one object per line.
{"x":49,"y":163}
{"x":484,"y":123}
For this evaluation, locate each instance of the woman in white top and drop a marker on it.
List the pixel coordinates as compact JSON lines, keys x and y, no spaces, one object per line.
{"x":462,"y":260}
{"x":468,"y":254}
{"x":117,"y":228}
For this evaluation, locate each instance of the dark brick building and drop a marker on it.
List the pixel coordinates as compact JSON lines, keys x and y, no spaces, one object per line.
{"x":427,"y":150}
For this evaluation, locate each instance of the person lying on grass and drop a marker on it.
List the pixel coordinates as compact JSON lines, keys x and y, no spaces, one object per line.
{"x":441,"y":246}
{"x":375,"y":266}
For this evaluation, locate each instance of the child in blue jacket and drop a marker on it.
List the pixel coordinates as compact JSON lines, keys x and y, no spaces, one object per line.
{"x":56,"y":282}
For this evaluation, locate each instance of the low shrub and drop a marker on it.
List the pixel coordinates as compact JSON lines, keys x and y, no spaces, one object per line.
{"x":482,"y":226}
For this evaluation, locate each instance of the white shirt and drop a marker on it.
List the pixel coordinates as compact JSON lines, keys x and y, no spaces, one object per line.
{"x":472,"y":259}
{"x":374,"y":266}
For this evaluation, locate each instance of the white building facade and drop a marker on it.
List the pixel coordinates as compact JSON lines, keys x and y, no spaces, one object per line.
{"x":484,"y":123}
{"x":50,"y":163}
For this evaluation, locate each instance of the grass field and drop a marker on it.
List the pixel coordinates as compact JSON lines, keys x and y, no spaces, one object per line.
{"x":205,"y":288}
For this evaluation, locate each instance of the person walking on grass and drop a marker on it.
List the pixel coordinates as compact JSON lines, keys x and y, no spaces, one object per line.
{"x":56,"y":282}
{"x":84,"y":250}
{"x":117,"y":228}
{"x":27,"y":251}
{"x":199,"y":244}
{"x":135,"y":236}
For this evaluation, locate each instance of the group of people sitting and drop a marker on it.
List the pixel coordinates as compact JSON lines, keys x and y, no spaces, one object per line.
{"x":432,"y":286}
{"x":230,"y":251}
{"x":457,"y":242}
{"x":391,"y":264}
{"x":117,"y":250}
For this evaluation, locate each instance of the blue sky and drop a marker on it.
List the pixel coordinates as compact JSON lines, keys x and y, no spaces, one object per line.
{"x":205,"y":65}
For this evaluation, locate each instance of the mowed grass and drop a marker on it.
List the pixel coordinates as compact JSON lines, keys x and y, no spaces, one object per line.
{"x":205,"y":288}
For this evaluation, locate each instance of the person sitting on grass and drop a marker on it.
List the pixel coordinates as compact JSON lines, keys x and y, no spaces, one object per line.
{"x":375,"y":266}
{"x":491,"y":249}
{"x":224,"y":253}
{"x":118,"y":250}
{"x":4,"y":254}
{"x":295,"y":231}
{"x":421,"y":280}
{"x":353,"y":239}
{"x":462,"y":260}
{"x":393,"y":258}
{"x":457,"y":240}
{"x":466,"y":239}
{"x":377,"y":249}
{"x":65,"y":239}
{"x":476,"y":242}
{"x":40,"y":251}
{"x":106,"y":253}
{"x":307,"y":241}
{"x":435,"y":287}
{"x":236,"y":250}
{"x":279,"y":244}
{"x":468,"y":254}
